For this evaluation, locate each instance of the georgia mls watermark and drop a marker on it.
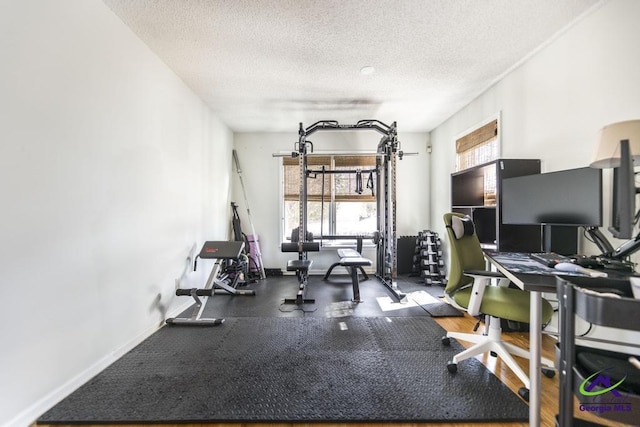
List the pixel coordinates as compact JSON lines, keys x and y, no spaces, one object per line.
{"x":604,"y":399}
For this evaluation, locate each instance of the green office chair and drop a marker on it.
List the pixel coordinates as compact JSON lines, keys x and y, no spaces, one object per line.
{"x":469,"y":288}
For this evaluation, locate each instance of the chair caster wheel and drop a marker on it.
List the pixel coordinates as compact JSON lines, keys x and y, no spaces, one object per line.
{"x":523,"y":392}
{"x":452,"y":367}
{"x":446,"y":341}
{"x":549,"y":372}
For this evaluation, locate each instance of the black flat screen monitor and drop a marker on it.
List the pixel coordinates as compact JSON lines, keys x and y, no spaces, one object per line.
{"x":570,"y":197}
{"x":623,"y":203}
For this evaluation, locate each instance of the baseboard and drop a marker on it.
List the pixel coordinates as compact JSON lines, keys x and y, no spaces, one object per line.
{"x":28,"y":416}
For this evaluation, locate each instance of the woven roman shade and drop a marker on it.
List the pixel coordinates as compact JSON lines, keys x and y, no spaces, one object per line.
{"x":477,"y":147}
{"x":314,"y":186}
{"x":345,"y":184}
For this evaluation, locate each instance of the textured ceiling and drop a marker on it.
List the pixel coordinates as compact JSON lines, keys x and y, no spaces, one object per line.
{"x":268,"y":65}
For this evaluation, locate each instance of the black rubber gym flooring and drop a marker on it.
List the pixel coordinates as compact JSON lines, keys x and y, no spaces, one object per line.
{"x":339,"y":363}
{"x":333,"y":299}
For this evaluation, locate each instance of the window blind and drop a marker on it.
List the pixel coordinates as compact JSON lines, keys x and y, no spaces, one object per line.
{"x":345,"y":183}
{"x":477,"y":147}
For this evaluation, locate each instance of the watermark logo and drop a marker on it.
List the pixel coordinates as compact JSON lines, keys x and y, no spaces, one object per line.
{"x":601,"y":380}
{"x":606,"y":398}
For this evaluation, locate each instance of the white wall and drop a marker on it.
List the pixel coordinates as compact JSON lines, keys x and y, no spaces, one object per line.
{"x":111,"y":172}
{"x":262,"y":179}
{"x":553,"y":105}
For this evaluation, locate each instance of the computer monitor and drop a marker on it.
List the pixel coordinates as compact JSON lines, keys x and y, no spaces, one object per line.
{"x":623,"y":202}
{"x":568,"y":198}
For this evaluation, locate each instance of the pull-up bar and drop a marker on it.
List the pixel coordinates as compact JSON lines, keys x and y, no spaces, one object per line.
{"x":338,"y":171}
{"x":340,"y":153}
{"x":362,"y":124}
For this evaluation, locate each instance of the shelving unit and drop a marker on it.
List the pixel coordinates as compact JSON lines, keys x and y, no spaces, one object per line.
{"x":476,"y":192}
{"x":579,"y":366}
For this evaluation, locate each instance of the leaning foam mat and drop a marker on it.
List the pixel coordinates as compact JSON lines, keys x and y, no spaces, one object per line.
{"x":292,"y":369}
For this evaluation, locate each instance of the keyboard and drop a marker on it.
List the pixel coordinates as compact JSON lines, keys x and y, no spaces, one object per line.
{"x":549,"y":259}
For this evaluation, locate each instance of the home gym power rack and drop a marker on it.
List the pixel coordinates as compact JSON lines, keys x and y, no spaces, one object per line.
{"x":386,"y":163}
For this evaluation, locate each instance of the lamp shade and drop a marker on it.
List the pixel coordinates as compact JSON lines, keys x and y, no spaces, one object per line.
{"x":607,"y":153}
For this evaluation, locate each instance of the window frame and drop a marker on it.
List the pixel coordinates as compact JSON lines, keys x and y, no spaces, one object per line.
{"x":332,"y":196}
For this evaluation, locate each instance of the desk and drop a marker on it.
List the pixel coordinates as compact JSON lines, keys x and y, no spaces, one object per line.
{"x":536,"y":278}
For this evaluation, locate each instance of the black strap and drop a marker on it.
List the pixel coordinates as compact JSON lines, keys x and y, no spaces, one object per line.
{"x":370,"y":183}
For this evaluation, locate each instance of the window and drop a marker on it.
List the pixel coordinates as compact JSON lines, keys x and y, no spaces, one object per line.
{"x":348,"y":199}
{"x":478,"y":146}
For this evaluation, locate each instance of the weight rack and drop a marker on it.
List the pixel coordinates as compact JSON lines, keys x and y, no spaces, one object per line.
{"x":428,"y":261}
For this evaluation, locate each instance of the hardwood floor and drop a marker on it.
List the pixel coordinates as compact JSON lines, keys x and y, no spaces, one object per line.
{"x":549,"y":398}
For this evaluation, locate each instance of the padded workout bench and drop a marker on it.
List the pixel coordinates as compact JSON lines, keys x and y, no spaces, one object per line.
{"x":301,"y":268}
{"x":347,"y":253}
{"x":353,"y":264}
{"x":222,"y":251}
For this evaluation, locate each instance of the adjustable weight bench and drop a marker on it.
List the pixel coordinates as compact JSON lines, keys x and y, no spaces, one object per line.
{"x":301,"y":267}
{"x":221,"y":251}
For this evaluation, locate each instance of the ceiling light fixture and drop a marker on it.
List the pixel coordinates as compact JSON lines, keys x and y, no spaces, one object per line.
{"x":367,"y":70}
